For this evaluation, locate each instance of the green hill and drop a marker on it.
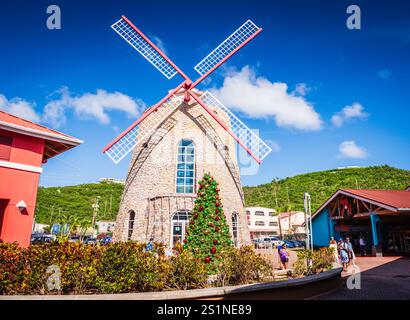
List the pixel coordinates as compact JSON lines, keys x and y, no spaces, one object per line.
{"x":286,"y":194}
{"x":77,"y":201}
{"x":282,"y":194}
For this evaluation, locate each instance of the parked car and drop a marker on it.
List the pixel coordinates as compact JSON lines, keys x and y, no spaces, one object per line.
{"x":90,"y":240}
{"x":106,"y":240}
{"x":302,"y":243}
{"x":74,"y":239}
{"x":276,"y":241}
{"x":42,"y":238}
{"x":289,"y":244}
{"x":258,"y":243}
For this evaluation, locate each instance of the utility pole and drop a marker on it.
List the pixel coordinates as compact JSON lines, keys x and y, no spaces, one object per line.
{"x":280,"y":227}
{"x":308,"y":221}
{"x":95,"y":206}
{"x":110,"y":203}
{"x":52,"y":214}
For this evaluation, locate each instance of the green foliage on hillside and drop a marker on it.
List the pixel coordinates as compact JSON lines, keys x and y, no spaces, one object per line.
{"x":281,"y":195}
{"x":287,"y":194}
{"x":77,"y":201}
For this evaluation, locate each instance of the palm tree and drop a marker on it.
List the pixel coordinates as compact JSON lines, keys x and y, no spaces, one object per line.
{"x":84,"y":224}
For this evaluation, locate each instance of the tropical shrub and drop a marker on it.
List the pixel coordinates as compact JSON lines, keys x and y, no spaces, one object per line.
{"x":242,"y":265}
{"x":187,"y":271}
{"x":76,"y":268}
{"x":313,"y":261}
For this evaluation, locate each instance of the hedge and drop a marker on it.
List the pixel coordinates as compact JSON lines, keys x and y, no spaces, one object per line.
{"x":76,"y":268}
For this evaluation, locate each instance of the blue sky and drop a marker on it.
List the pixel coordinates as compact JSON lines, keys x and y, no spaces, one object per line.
{"x":355,"y":82}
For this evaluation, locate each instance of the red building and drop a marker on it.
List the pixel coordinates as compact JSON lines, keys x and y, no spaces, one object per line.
{"x":24,"y":147}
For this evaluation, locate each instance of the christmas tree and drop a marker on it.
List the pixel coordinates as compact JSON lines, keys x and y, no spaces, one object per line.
{"x":208,"y":231}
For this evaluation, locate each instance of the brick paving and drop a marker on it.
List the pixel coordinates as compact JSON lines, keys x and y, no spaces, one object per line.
{"x":382,"y":278}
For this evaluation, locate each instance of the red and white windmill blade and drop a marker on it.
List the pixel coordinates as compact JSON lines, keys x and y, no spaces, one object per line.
{"x":155,"y":115}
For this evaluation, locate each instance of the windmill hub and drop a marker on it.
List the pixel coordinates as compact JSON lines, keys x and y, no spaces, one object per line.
{"x":187,"y":85}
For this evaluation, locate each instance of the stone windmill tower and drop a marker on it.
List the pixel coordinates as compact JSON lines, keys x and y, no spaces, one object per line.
{"x":176,"y":141}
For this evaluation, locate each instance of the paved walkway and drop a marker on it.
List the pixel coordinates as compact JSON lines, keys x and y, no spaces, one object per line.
{"x":381,"y":278}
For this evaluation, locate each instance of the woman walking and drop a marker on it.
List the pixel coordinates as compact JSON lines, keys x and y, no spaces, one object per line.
{"x":284,"y":256}
{"x":344,"y":256}
{"x":333,"y":246}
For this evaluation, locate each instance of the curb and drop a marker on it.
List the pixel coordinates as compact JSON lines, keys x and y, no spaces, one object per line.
{"x":189,"y":294}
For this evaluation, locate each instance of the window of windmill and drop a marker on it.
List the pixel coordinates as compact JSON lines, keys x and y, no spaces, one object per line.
{"x":259,"y":213}
{"x":273,"y":224}
{"x":185,"y":167}
{"x":259,"y":223}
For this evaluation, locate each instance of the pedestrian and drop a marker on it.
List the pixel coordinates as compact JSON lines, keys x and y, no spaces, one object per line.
{"x":344,"y":256}
{"x":284,"y":257}
{"x":362,"y":245}
{"x":350,"y":251}
{"x":150,"y":245}
{"x":333,"y":246}
{"x":279,"y":261}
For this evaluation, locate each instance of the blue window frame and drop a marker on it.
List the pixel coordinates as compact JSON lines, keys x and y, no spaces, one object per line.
{"x":185,"y":167}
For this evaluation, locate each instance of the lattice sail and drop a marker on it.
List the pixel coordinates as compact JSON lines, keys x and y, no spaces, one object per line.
{"x":137,"y":41}
{"x":248,"y":137}
{"x":142,"y":129}
{"x":243,"y":33}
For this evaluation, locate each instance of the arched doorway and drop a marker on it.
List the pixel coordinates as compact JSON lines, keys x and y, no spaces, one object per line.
{"x":179,"y":224}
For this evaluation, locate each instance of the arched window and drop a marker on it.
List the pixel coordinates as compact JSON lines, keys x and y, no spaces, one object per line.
{"x":179,"y":224}
{"x":131,"y":219}
{"x":235,"y":228}
{"x":185,"y":167}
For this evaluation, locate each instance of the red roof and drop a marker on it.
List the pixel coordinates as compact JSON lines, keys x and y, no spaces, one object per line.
{"x":399,"y":199}
{"x":56,"y":142}
{"x":393,"y":200}
{"x":11,"y":119}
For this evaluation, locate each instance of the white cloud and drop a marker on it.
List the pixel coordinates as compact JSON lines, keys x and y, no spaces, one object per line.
{"x":257,"y":97}
{"x":355,"y":110}
{"x":90,"y":106}
{"x":349,"y":149}
{"x":274,"y":145}
{"x":301,"y":89}
{"x":159,"y":43}
{"x":19,"y":107}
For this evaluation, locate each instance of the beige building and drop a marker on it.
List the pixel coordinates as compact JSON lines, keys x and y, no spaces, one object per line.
{"x":161,"y":184}
{"x":265,"y":222}
{"x":105,"y":226}
{"x":291,"y":222}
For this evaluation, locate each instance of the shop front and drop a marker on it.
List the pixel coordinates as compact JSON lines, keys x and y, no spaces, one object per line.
{"x":379,"y":219}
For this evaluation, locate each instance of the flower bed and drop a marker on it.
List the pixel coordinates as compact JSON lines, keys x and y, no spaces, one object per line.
{"x":75,"y":268}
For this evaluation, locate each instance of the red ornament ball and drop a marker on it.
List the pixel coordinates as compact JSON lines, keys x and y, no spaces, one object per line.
{"x":207,"y":259}
{"x":217,"y":218}
{"x":215,"y":242}
{"x":195,"y":215}
{"x":216,"y":229}
{"x":192,"y":222}
{"x":213,"y":250}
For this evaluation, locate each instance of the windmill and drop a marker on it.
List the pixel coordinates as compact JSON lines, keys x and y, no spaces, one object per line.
{"x":142,"y":129}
